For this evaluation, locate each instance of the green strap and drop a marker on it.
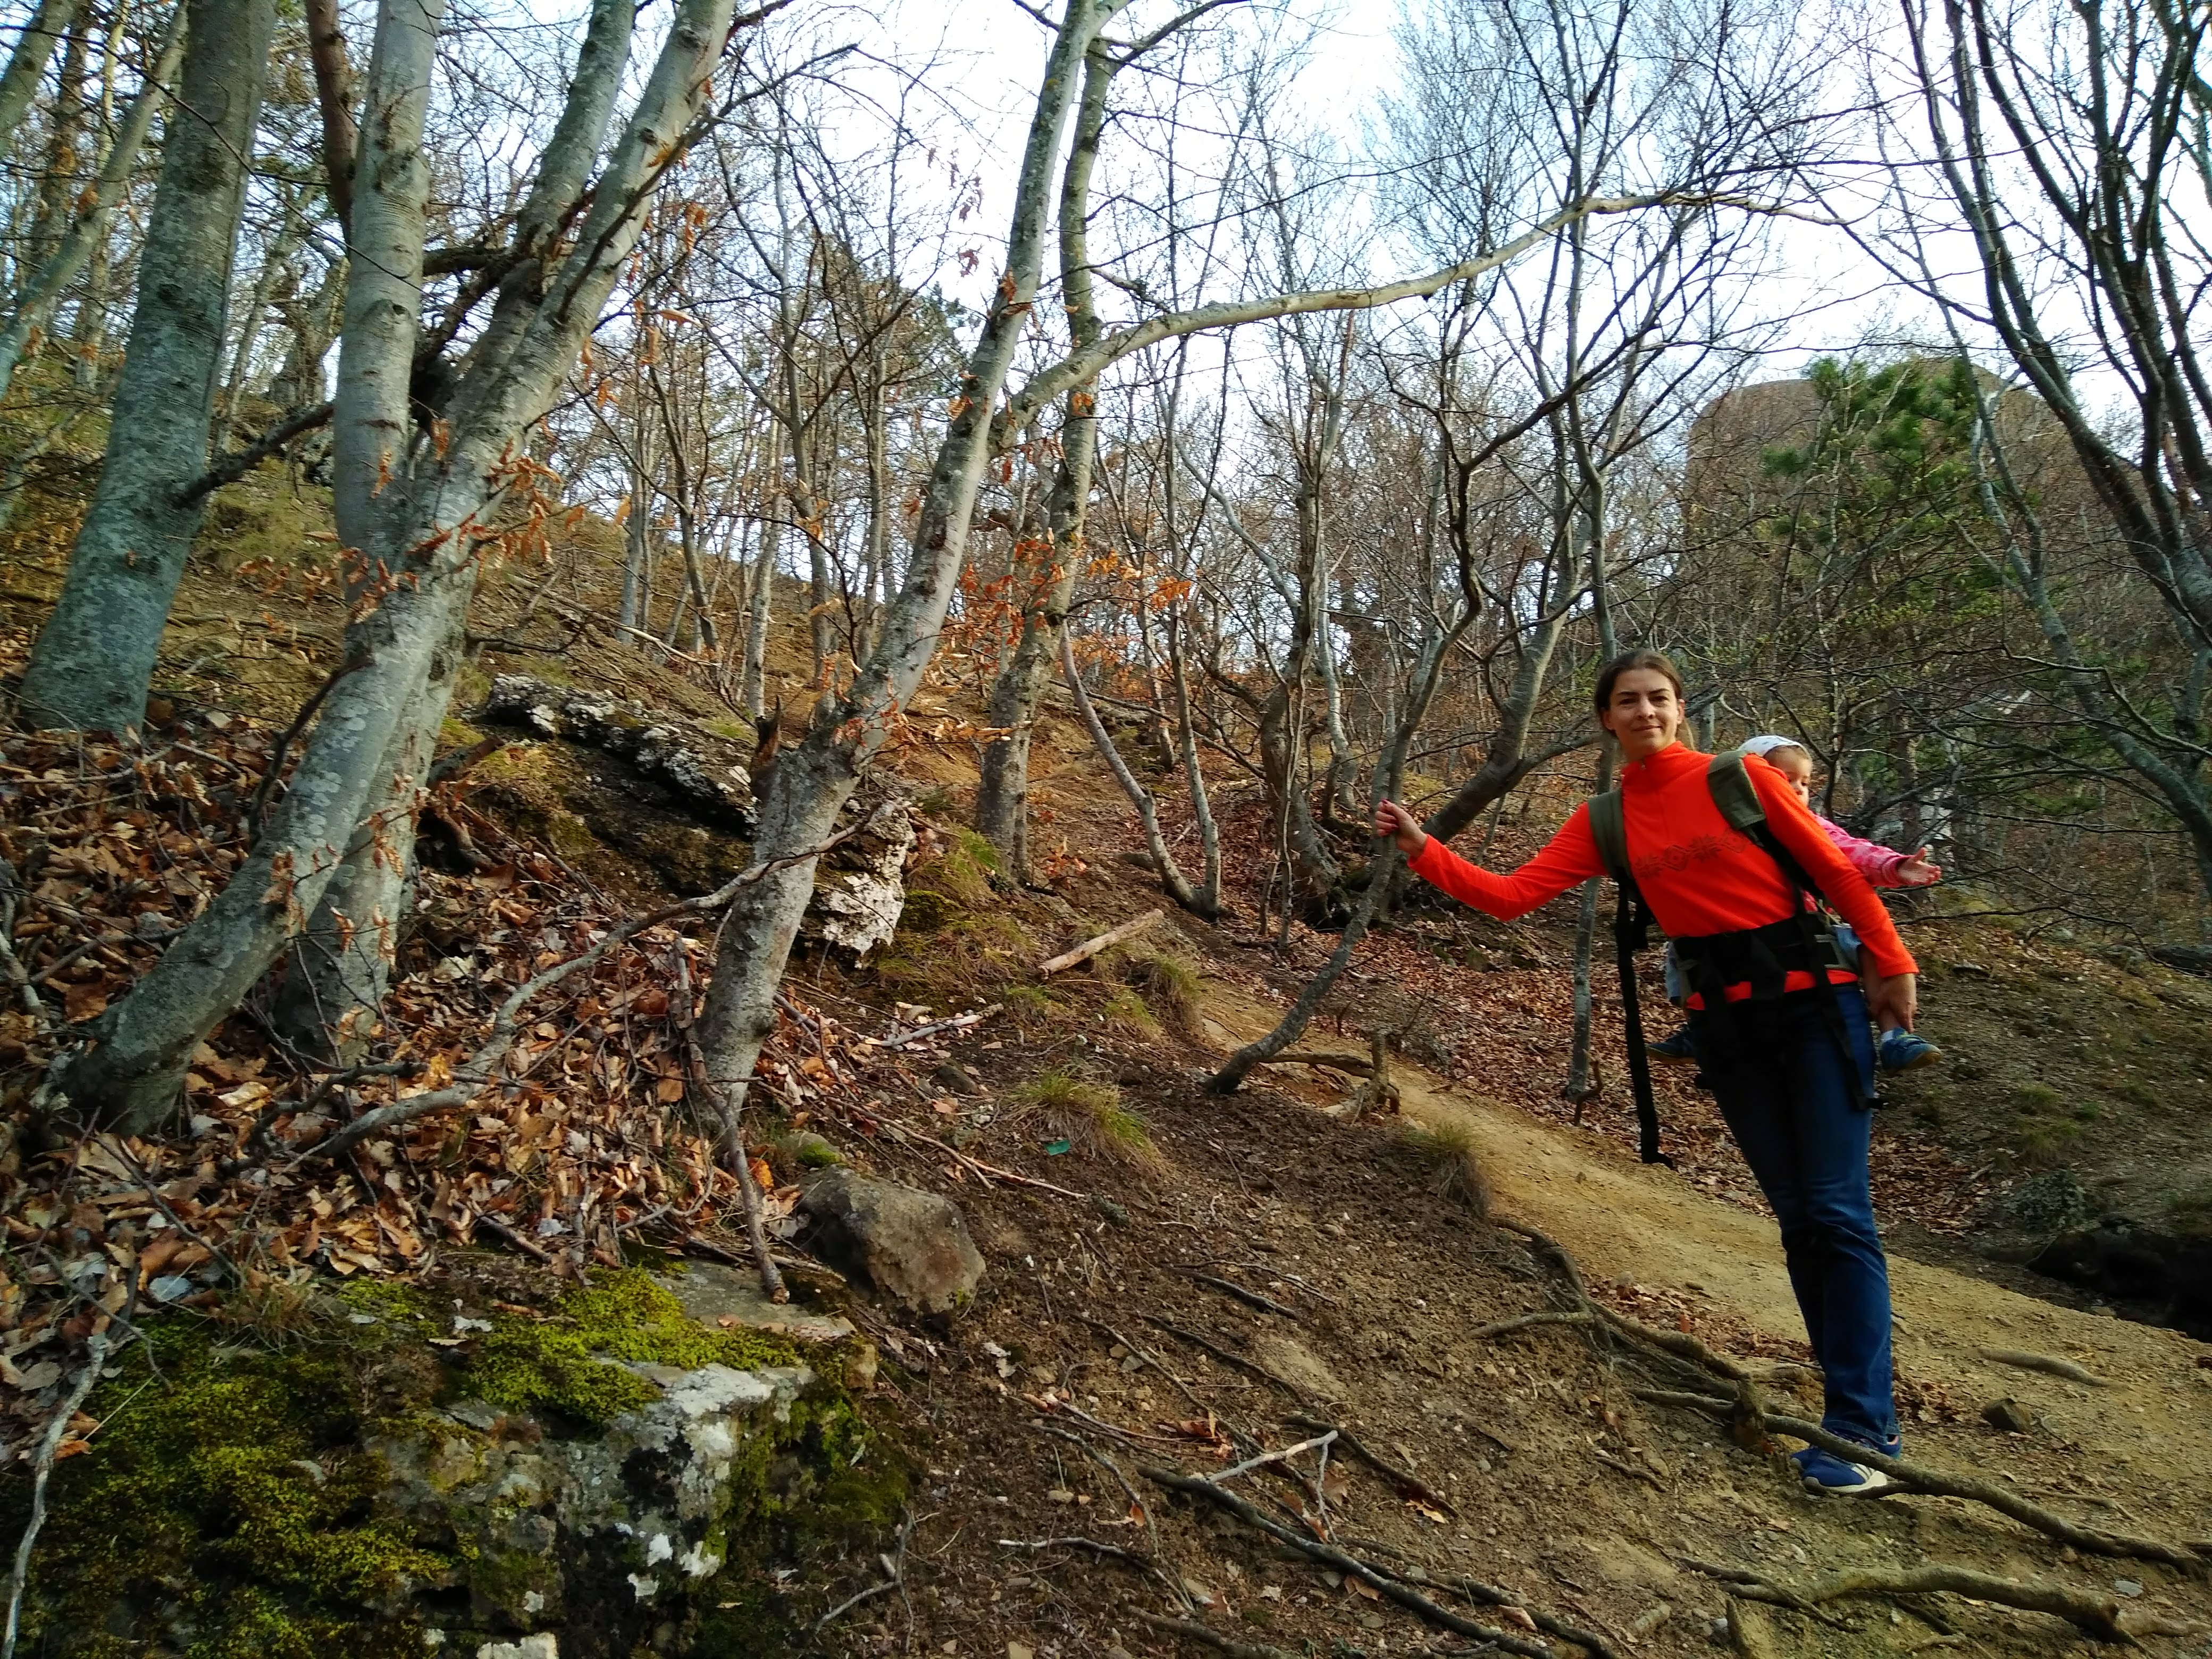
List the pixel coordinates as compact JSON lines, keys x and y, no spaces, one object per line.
{"x":1608,"y":827}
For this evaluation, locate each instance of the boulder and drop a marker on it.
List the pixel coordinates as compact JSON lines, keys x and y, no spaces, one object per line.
{"x":859,"y":885}
{"x":706,"y":773}
{"x":912,"y":1246}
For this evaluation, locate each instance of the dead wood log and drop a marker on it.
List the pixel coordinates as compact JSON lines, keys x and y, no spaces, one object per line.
{"x":1105,"y":941}
{"x":2049,"y":1365}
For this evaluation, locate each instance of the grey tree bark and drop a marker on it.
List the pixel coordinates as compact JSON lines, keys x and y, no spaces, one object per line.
{"x":1002,"y":794}
{"x":89,"y":668}
{"x":27,"y":65}
{"x":813,"y":780}
{"x":31,"y":308}
{"x":131,"y":1075}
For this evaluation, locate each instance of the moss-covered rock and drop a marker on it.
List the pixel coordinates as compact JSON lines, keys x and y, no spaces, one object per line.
{"x":610,"y":1469}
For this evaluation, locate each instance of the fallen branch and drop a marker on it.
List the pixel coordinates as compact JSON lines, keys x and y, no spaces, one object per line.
{"x":1408,"y":1484}
{"x":522,"y":1242}
{"x":893,"y":1566}
{"x":1382,"y":1583}
{"x":957,"y":1023}
{"x":475,"y":1073}
{"x":1229,"y":1358}
{"x":1212,"y":1639}
{"x":2103,"y":1620}
{"x":1143,"y":1509}
{"x":1105,"y":941}
{"x":1286,"y":1453}
{"x":2049,"y":1363}
{"x":1250,"y":1299}
{"x":1503,"y":1327}
{"x":42,"y":1469}
{"x":1339,"y":1059}
{"x":1936,"y":1483}
{"x":1148,"y":1357}
{"x":990,"y":1172}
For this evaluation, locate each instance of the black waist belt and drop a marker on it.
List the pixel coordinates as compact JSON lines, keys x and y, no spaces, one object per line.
{"x":1761,"y":957}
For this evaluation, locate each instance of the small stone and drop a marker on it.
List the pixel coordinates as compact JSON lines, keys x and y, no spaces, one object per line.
{"x":952,"y":1075}
{"x":1020,"y":1651}
{"x":544,"y":1645}
{"x":2009,"y":1415}
{"x":2127,"y":1587}
{"x":1198,"y":1592}
{"x":1370,"y":1621}
{"x":913,"y":1246}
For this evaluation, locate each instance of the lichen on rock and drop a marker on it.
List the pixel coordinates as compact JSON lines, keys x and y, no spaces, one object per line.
{"x":608,"y":1469}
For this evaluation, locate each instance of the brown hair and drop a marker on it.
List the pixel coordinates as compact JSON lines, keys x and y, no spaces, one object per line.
{"x":1657,"y":661}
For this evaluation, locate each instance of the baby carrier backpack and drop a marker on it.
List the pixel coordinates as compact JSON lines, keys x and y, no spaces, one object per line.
{"x":1761,"y":956}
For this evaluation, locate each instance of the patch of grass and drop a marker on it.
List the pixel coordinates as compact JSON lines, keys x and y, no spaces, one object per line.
{"x":2041,"y":1143}
{"x":1090,"y":1116}
{"x":1171,"y":983}
{"x":2036,"y":1097}
{"x":1124,"y":1012}
{"x":2190,"y":1209}
{"x":1454,"y":1161}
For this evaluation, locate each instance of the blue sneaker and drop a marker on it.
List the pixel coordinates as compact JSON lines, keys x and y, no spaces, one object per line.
{"x":1677,"y":1046}
{"x":1900,"y":1051}
{"x":1824,"y":1472}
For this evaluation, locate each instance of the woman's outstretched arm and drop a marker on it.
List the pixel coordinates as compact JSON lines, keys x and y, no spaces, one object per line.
{"x":1565,"y":860}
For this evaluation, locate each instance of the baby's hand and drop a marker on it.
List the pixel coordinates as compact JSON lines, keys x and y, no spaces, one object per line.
{"x":1917,"y":871}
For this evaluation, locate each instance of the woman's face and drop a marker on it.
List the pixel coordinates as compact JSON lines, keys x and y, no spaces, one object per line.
{"x":1642,"y":713}
{"x":1796,"y":769}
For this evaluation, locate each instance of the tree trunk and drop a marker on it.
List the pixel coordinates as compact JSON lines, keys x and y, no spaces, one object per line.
{"x":89,"y":668}
{"x":39,"y":295}
{"x":1207,"y":905}
{"x":57,"y":181}
{"x":1002,"y":794}
{"x":754,"y":694}
{"x":132,"y":1076}
{"x":26,"y":66}
{"x":813,"y":780}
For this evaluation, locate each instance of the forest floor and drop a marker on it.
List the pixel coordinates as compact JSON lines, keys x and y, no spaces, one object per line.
{"x":1215,"y":1276}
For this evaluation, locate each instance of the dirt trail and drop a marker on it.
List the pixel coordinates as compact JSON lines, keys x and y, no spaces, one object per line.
{"x":2146,"y":1435}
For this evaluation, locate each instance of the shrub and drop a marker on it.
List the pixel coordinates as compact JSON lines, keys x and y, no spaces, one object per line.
{"x":1172,"y":985}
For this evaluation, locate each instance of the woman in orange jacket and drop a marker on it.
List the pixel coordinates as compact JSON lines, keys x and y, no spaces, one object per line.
{"x":1793,"y":1080}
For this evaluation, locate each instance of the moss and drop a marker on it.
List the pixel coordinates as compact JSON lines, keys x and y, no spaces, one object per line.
{"x":251,"y":1530}
{"x":561,"y":1363}
{"x":926,"y":911}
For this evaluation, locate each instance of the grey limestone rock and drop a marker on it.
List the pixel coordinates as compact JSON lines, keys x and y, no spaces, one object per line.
{"x":911,"y":1245}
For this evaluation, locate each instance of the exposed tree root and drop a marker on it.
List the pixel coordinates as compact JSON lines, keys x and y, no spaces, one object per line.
{"x":1384,"y":1584}
{"x":1915,"y":1477}
{"x":2102,"y":1619}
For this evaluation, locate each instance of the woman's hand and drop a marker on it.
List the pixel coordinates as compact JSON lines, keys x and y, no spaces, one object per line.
{"x":1917,"y":871}
{"x":1400,"y":826}
{"x":1893,"y":1000}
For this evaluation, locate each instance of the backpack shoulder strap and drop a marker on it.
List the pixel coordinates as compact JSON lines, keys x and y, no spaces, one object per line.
{"x":1735,"y":793}
{"x":1608,"y":826}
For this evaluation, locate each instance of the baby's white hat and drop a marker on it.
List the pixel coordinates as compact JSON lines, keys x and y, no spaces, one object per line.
{"x":1764,"y":747}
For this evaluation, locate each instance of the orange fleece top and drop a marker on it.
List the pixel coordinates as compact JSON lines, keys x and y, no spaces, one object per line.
{"x":1699,"y":875}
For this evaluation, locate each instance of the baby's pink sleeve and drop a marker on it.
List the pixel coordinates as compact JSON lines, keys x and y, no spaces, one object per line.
{"x":1877,"y":863}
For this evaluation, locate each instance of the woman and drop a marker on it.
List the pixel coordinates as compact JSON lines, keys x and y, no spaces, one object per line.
{"x":1774,"y":1052}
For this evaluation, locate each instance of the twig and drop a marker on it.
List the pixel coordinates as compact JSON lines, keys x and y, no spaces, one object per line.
{"x":1250,"y":1463}
{"x":1229,"y":1358}
{"x":957,"y":1023}
{"x":42,"y":1469}
{"x":894,"y":1565}
{"x":12,"y":966}
{"x":1352,"y":1567}
{"x":990,"y":1172}
{"x":2049,"y":1363}
{"x":1143,"y":1509}
{"x":1579,"y":1316}
{"x":499,"y":1229}
{"x":1148,"y":1357}
{"x":731,"y":1134}
{"x":175,"y":1220}
{"x":1105,"y":941}
{"x":1252,"y":1298}
{"x":474,"y":1074}
{"x":1914,"y":1477}
{"x":1409,"y":1484}
{"x":1634,"y":1472}
{"x":1212,"y":1639}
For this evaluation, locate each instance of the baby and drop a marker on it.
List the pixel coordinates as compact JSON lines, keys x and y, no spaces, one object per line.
{"x":1896,"y":1049}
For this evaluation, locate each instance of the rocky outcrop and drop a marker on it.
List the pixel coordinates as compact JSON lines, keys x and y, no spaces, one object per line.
{"x":706,"y":772}
{"x":912,"y":1246}
{"x":593,"y":1537}
{"x":859,"y":887}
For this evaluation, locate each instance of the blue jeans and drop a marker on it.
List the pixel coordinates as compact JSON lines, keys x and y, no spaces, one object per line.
{"x":1782,"y":1086}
